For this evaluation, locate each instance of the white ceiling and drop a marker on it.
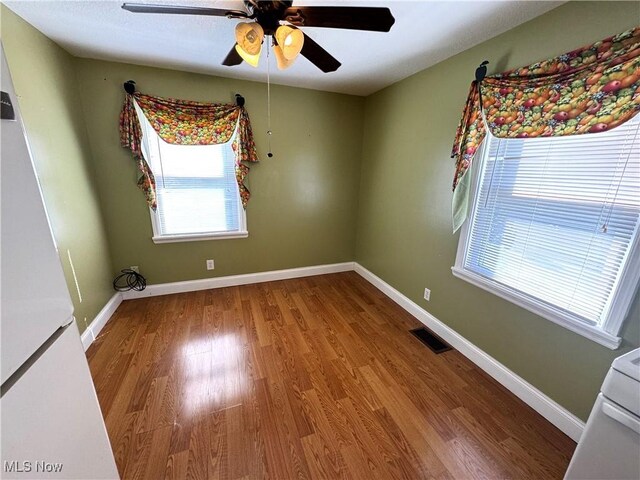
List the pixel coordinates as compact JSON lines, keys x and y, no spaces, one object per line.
{"x":425,"y":33}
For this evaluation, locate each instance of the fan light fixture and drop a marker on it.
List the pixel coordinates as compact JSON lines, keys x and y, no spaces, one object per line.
{"x":290,"y":40}
{"x":249,"y":38}
{"x":287,"y":45}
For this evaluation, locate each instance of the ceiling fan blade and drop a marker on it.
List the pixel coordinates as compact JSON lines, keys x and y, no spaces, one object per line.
{"x":232,"y":58}
{"x":319,"y":56}
{"x":180,"y":10}
{"x":376,"y":19}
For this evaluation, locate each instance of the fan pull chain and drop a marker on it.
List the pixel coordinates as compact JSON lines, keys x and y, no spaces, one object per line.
{"x":269,"y":133}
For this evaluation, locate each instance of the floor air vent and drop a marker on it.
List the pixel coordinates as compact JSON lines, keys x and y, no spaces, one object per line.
{"x":430,"y":340}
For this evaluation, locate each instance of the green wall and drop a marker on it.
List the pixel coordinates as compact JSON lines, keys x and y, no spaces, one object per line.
{"x":304,"y":199}
{"x":404,"y":219}
{"x":44,"y":79}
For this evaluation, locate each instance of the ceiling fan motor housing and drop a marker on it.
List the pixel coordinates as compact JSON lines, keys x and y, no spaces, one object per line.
{"x":268,"y":14}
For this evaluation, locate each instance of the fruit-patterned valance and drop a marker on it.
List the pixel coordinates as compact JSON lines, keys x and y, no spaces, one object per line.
{"x":589,"y":90}
{"x":183,"y":122}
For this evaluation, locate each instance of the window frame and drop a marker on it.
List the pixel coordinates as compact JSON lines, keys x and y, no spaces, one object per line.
{"x":158,"y":237}
{"x":607,"y":334}
{"x":195,"y":237}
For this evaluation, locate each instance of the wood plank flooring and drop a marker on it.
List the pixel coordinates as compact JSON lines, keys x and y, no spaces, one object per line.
{"x":307,"y":378}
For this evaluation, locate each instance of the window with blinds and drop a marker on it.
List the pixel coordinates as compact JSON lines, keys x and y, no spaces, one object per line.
{"x":554,"y":226}
{"x":196,"y":188}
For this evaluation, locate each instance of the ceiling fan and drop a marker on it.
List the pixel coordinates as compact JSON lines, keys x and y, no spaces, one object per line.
{"x":280,"y":20}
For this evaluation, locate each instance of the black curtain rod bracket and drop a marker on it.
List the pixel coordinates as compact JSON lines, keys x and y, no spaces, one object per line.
{"x":130,"y":87}
{"x":239,"y":100}
{"x":481,"y":71}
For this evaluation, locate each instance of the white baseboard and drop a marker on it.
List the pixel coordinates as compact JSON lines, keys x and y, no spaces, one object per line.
{"x":101,"y":319}
{"x":233,"y":280}
{"x":564,"y":420}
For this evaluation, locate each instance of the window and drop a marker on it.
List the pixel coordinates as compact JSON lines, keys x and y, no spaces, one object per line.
{"x":554,"y":227}
{"x":196,"y":189}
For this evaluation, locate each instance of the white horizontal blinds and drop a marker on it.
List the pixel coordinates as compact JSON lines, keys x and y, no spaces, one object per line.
{"x":197,"y":191}
{"x":196,"y":186}
{"x":555,"y":217}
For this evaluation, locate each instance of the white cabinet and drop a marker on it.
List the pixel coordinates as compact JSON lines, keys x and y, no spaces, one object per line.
{"x":51,"y":417}
{"x":610,"y":445}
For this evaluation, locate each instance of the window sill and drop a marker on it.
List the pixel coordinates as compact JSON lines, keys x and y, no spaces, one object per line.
{"x":554,"y":315}
{"x":196,"y":237}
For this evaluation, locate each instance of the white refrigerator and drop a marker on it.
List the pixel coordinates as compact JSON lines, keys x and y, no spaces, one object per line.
{"x":50,"y":420}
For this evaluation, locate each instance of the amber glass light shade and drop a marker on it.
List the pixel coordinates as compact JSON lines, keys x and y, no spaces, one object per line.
{"x":290,"y":40}
{"x":249,"y":38}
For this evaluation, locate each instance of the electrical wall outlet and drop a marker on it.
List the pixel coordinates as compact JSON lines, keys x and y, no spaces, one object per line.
{"x":135,"y":268}
{"x":210,"y":265}
{"x":427,"y":294}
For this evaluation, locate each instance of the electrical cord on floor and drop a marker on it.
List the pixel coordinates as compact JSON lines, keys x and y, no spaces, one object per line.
{"x":129,"y":280}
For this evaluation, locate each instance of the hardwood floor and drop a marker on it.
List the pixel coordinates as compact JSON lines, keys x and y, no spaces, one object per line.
{"x":306,"y":378}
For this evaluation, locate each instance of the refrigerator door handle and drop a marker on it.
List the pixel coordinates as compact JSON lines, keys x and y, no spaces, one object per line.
{"x":620,"y":416}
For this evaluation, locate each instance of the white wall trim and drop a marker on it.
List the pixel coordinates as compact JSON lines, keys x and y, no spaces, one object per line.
{"x":233,"y":280}
{"x":567,"y":422}
{"x":548,"y":312}
{"x":101,"y":319}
